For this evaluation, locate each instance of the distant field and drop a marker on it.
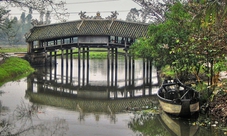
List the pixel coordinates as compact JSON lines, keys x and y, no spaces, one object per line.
{"x":93,"y":55}
{"x":7,"y":49}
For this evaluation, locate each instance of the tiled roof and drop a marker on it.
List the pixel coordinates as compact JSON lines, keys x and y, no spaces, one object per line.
{"x":88,"y":27}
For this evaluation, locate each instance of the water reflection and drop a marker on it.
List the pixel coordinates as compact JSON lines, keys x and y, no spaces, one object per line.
{"x":179,"y":126}
{"x":21,"y":123}
{"x":148,"y":125}
{"x":94,"y":90}
{"x":162,"y":124}
{"x":67,"y":88}
{"x":64,"y":104}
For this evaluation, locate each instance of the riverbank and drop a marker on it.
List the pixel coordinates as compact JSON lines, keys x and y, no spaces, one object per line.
{"x":213,"y":105}
{"x":13,"y":68}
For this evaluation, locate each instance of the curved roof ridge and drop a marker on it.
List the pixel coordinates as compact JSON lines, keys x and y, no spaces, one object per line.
{"x":41,"y":25}
{"x":88,"y":27}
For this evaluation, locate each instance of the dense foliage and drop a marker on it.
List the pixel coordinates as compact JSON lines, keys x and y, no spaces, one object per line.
{"x":168,"y":42}
{"x":192,"y":40}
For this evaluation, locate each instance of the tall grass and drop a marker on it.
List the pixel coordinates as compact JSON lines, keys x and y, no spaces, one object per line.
{"x":14,"y":67}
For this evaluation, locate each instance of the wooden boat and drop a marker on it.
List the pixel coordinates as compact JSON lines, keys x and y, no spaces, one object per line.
{"x":178,"y":99}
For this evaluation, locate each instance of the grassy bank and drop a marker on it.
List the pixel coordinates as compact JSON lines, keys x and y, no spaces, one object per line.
{"x":14,"y":68}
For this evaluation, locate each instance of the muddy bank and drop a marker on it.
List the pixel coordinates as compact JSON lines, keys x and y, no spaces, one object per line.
{"x":218,"y":109}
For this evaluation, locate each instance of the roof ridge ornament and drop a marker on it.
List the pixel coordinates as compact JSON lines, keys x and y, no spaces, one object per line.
{"x":82,"y":15}
{"x":113,"y":16}
{"x":98,"y":16}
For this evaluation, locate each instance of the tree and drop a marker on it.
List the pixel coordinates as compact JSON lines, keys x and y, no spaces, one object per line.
{"x":47,"y":17}
{"x":152,"y":10}
{"x":13,"y":33}
{"x":9,"y":30}
{"x":192,"y":40}
{"x":6,"y":25}
{"x":168,"y":42}
{"x":133,"y":15}
{"x":3,"y":15}
{"x":24,"y":25}
{"x":210,"y":37}
{"x":22,"y":21}
{"x":47,"y":6}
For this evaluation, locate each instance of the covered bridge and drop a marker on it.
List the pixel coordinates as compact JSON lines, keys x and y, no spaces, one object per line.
{"x":95,"y":32}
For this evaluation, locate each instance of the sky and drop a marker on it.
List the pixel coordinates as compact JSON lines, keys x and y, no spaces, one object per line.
{"x":91,"y":7}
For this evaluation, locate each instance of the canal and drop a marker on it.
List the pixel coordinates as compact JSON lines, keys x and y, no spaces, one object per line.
{"x":94,"y":100}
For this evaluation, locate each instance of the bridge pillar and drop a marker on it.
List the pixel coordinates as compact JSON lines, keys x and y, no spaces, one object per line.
{"x":133,"y":70}
{"x":79,"y":51}
{"x":29,"y":47}
{"x":67,"y":58}
{"x":143,"y":76}
{"x":112,"y":66}
{"x":62,"y":62}
{"x":71,"y":66}
{"x":126,"y":73}
{"x":71,"y":57}
{"x":87,"y":65}
{"x":116,"y":65}
{"x":130,"y":70}
{"x":83,"y":66}
{"x":150,"y":91}
{"x":108,"y":65}
{"x":51,"y":59}
{"x":30,"y":81}
{"x":55,"y":66}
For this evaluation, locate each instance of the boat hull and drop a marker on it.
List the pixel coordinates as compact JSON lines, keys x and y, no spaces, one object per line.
{"x":178,"y":109}
{"x":177,"y":99}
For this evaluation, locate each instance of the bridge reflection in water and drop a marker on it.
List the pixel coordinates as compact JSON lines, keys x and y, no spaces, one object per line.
{"x":99,"y":87}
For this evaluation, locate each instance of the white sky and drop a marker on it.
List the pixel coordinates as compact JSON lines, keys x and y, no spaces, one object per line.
{"x":91,"y":7}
